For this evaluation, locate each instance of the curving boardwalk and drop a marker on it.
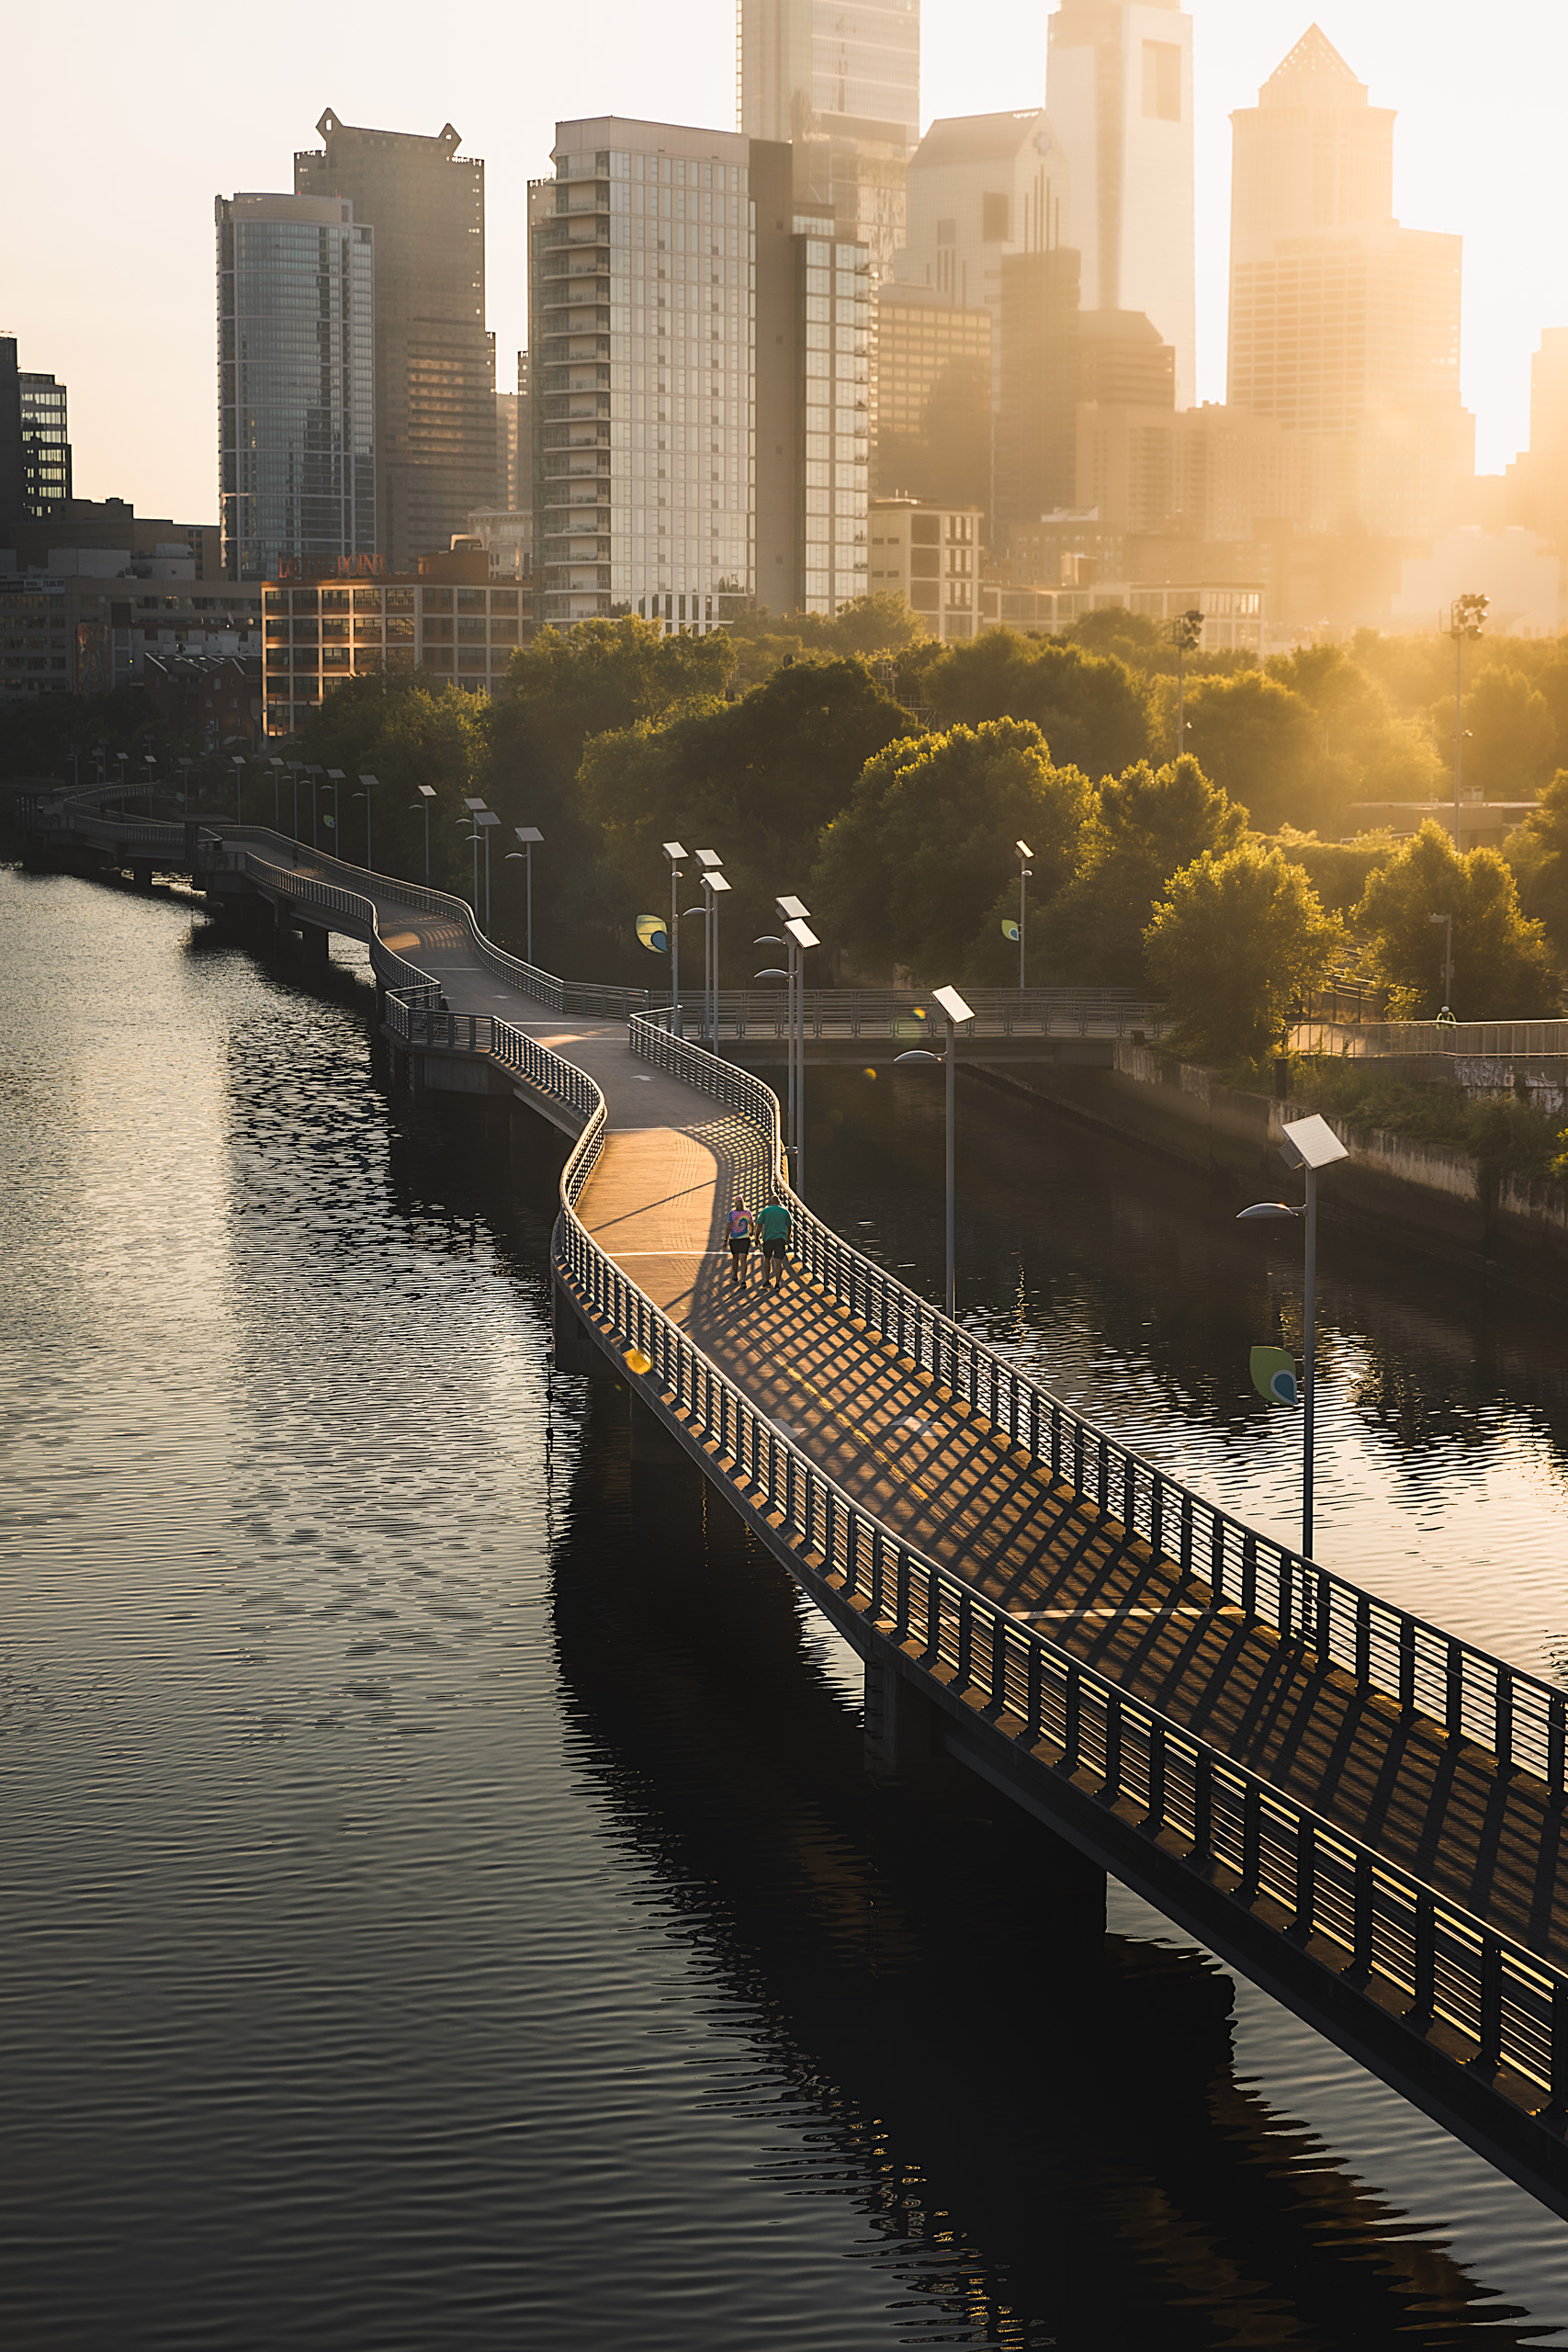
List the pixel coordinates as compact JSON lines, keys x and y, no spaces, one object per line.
{"x":1361,"y":1812}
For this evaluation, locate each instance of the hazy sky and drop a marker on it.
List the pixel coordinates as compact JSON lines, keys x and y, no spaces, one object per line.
{"x":106,"y":236}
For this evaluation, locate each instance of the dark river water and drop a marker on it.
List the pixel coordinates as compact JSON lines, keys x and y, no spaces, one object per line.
{"x":442,"y":1902}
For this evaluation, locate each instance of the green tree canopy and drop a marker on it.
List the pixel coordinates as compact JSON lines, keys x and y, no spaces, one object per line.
{"x":1236,"y":941}
{"x":571,"y":683}
{"x":868,"y":625}
{"x":1503,"y":969}
{"x":1144,"y":825}
{"x":1510,"y":736}
{"x":1539,"y":855}
{"x":1258,"y":741}
{"x":755,"y":779}
{"x":406,"y":729}
{"x":910,"y":871}
{"x":1092,"y":712}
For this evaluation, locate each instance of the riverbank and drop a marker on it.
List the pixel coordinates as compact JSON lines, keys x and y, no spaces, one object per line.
{"x":1434,"y":1200}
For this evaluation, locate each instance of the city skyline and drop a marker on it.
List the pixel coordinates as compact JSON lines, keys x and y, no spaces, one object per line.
{"x":147,"y":430}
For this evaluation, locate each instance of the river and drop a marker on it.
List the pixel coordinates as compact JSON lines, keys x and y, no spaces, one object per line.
{"x":444,"y":1906}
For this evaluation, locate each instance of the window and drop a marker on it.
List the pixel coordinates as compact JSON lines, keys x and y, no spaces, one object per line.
{"x":994,"y":208}
{"x":947,"y":232}
{"x":1162,"y":81}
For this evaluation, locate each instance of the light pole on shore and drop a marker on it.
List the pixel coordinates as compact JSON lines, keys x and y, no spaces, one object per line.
{"x":714,"y":886}
{"x":1024,"y":871}
{"x":1308,"y":1143}
{"x":956,"y":1009}
{"x":1466,"y":614}
{"x":527,"y":835}
{"x":426,"y":795}
{"x":367,"y":784}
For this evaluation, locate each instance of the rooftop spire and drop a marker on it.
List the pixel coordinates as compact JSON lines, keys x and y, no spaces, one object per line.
{"x":1313,"y":60}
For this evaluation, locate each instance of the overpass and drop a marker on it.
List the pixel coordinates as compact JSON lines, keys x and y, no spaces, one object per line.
{"x":1356,"y":1809}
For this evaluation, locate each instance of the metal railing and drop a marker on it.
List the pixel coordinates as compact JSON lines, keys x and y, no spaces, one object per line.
{"x":1523,"y":1721}
{"x":907,"y":1014}
{"x":1249,"y":1843}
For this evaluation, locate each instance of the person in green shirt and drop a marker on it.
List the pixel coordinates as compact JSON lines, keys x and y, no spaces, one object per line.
{"x":773,"y":1223}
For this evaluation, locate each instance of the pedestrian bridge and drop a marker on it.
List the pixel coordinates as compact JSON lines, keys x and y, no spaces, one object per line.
{"x":1356,"y":1809}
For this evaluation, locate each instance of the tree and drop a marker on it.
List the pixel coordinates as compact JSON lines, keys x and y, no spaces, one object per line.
{"x":1511,"y":737}
{"x":1339,"y":871}
{"x":571,"y":683}
{"x":1538,"y":854}
{"x":406,"y":728}
{"x":1501,"y":966}
{"x":756,"y":779}
{"x":1143,"y":826}
{"x":909,"y":870}
{"x":1257,"y":741}
{"x":869,"y":625}
{"x":1237,"y":940}
{"x":1092,"y":712}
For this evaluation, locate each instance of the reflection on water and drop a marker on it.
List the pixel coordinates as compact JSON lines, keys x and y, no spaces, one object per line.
{"x":444,"y":1903}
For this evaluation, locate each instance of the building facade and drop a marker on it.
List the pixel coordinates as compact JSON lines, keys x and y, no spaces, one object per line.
{"x":839,"y":80}
{"x":930,"y":556}
{"x":46,"y":443}
{"x":1342,"y":322}
{"x":1119,"y":92}
{"x":445,"y":618}
{"x":434,"y":372}
{"x":675,"y":476}
{"x":13,"y":475}
{"x":296,"y":382}
{"x":930,"y":399}
{"x":90,"y":621}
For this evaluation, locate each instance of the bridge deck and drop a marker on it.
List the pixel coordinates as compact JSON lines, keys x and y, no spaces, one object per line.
{"x":948,"y":1482}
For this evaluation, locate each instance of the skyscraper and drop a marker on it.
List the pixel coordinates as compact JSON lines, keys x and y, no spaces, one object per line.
{"x":434,"y":370}
{"x":296,"y":382}
{"x":46,"y":446}
{"x":13,"y":476}
{"x":698,"y":351}
{"x":1119,"y":93}
{"x":930,"y":399}
{"x":1342,"y":322}
{"x":840,"y":80}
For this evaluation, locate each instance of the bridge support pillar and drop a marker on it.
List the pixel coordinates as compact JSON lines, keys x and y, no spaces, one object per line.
{"x":315,"y":941}
{"x":900,"y":1727}
{"x":652,"y":1445}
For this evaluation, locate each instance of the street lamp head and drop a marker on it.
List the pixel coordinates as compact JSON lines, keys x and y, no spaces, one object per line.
{"x":772,"y":973}
{"x":1023,"y":849}
{"x":952,"y":1004}
{"x":791,"y":909}
{"x":918,"y":1054}
{"x":368,"y":780}
{"x":802,"y":935}
{"x":767,"y":939}
{"x":708,"y":858}
{"x":716,"y":884}
{"x":1269,"y":1208}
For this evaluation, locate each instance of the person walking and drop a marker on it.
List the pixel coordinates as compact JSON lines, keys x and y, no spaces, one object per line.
{"x":773,"y":1225}
{"x":739,"y":1243}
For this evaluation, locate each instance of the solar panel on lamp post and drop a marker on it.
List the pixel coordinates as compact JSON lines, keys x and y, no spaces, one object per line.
{"x":955,"y":1008}
{"x":1308,"y":1143}
{"x":335,"y":777}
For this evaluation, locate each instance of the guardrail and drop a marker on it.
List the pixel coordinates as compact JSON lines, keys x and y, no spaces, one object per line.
{"x":905,"y":1014}
{"x":1520,"y":1719}
{"x":1369,"y":1920}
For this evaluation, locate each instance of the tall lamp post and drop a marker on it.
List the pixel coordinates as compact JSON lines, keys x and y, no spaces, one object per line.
{"x":1466,"y":614}
{"x":710,"y":862}
{"x":426,"y":795}
{"x":676,"y":854}
{"x":277,"y":768}
{"x":335,"y":777}
{"x":1187,"y":631}
{"x":485,"y":821}
{"x":955,"y":1008}
{"x":239,"y":766}
{"x":367,"y":784}
{"x":1309,"y":1143}
{"x":473,"y":803}
{"x":315,"y":775}
{"x":794,"y":915}
{"x":150,"y":763}
{"x":527,"y":835}
{"x":1024,"y":871}
{"x":1448,"y":923}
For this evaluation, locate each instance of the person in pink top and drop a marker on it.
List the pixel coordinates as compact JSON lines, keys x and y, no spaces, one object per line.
{"x":739,"y":1243}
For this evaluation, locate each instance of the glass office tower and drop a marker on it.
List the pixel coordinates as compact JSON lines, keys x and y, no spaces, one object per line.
{"x":296,"y":378}
{"x":46,"y":449}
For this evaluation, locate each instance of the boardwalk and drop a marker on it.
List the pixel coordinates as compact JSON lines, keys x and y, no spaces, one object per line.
{"x":1022,"y":1604}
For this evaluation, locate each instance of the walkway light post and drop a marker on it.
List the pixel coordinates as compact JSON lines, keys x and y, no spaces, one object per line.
{"x":184,"y":788}
{"x":474,"y":803}
{"x":1466,"y":614}
{"x":426,"y":795}
{"x":150,"y":763}
{"x":1024,"y":871}
{"x":1309,"y":1143}
{"x":778,"y":972}
{"x":527,"y":835}
{"x":239,"y":766}
{"x":676,"y":854}
{"x":315,"y":775}
{"x":277,"y":768}
{"x":335,"y":777}
{"x":367,"y":782}
{"x":1187,"y":631}
{"x":1448,"y":923}
{"x":955,"y":1008}
{"x":713,"y":884}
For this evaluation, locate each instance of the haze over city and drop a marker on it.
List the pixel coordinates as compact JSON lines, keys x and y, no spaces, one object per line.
{"x":1478,"y":151}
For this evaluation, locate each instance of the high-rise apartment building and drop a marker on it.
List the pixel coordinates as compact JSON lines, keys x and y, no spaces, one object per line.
{"x":1342,"y":322}
{"x":296,"y":382}
{"x":699,"y":380}
{"x":1119,"y":93}
{"x":46,"y":444}
{"x":840,"y":80}
{"x":435,"y":371}
{"x":13,"y":495}
{"x":930,"y":393}
{"x":930,"y":556}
